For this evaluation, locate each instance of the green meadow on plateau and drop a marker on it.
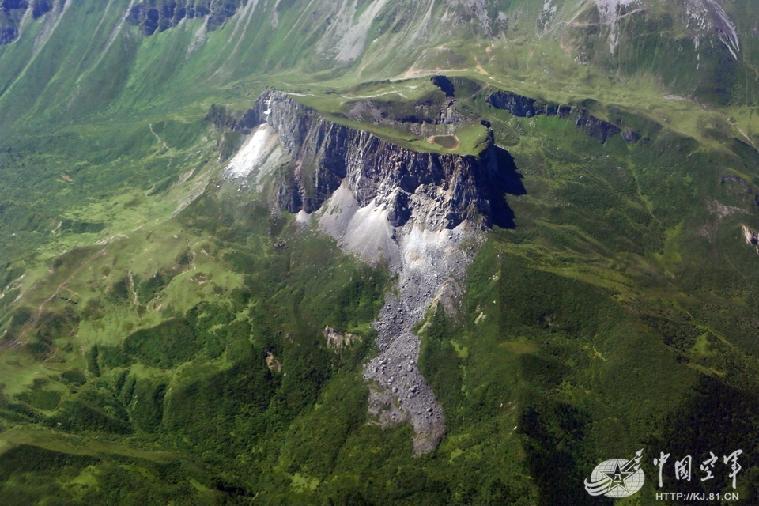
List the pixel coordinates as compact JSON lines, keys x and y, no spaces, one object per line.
{"x":347,"y":252}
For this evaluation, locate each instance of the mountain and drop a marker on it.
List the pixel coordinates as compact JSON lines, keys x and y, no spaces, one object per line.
{"x":150,"y":50}
{"x":374,"y":252}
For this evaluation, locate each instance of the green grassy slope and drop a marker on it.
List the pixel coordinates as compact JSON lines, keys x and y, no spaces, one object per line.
{"x":86,"y":59}
{"x":617,"y":315}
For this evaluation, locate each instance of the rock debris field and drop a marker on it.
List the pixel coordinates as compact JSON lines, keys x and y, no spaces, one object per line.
{"x":430,"y":271}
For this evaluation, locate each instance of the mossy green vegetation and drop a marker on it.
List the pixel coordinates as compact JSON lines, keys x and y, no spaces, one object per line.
{"x":181,"y":344}
{"x":176,"y":356}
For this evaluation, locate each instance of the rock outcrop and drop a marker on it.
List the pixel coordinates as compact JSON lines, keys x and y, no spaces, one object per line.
{"x":328,"y":154}
{"x":12,"y":13}
{"x":157,"y":16}
{"x":527,"y":107}
{"x":337,"y":340}
{"x":424,"y":119}
{"x":420,"y":214}
{"x":751,"y":237}
{"x":433,"y":115}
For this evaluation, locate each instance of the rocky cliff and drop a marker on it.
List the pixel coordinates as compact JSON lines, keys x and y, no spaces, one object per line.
{"x":421,"y":214}
{"x":522,"y":106}
{"x":155,"y":16}
{"x":13,"y":12}
{"x":458,"y":187}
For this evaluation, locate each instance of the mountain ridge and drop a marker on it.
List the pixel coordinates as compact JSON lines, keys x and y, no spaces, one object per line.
{"x":412,"y":212}
{"x":699,"y":53}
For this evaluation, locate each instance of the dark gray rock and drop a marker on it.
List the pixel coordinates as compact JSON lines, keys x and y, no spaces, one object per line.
{"x":13,"y":11}
{"x":157,"y":16}
{"x":594,"y":127}
{"x":445,"y":85}
{"x":41,"y":7}
{"x":326,"y":152}
{"x":527,"y":107}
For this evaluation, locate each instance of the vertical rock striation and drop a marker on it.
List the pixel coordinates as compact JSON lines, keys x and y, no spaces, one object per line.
{"x":459,"y":187}
{"x":157,"y":16}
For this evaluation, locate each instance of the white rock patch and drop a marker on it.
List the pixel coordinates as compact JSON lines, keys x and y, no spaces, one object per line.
{"x":303,"y":218}
{"x":252,"y":153}
{"x":348,"y":34}
{"x":707,"y":17}
{"x":363,"y":231}
{"x":611,"y":12}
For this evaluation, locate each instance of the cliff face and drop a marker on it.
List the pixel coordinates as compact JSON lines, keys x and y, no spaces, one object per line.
{"x":12,"y":13}
{"x":456,"y":188}
{"x":152,"y":16}
{"x":522,"y":106}
{"x":421,"y":214}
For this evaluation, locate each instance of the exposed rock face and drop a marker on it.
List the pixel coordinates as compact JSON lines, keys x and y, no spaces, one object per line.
{"x":697,"y":43}
{"x":41,"y":7}
{"x":426,"y":119}
{"x":708,"y":18}
{"x":522,"y":106}
{"x":434,"y":115}
{"x":527,"y":107}
{"x":482,"y":15}
{"x":152,"y":16}
{"x":751,"y":237}
{"x":546,"y":16}
{"x":337,"y":340}
{"x":459,"y":187}
{"x":422,"y":214}
{"x":12,"y":13}
{"x":8,"y":31}
{"x":273,"y":363}
{"x":703,"y":21}
{"x":611,"y":12}
{"x":597,"y":128}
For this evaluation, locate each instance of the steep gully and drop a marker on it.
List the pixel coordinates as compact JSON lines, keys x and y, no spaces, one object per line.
{"x":421,"y":214}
